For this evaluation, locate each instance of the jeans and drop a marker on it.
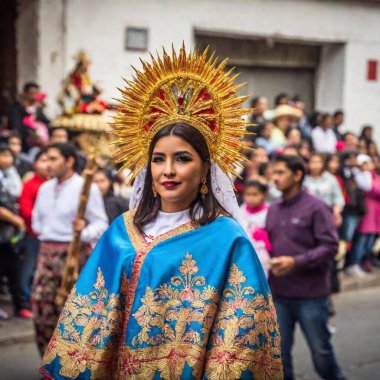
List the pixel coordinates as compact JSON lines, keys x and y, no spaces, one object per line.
{"x":361,"y":247}
{"x":32,"y":245}
{"x":349,"y":225}
{"x":312,"y":315}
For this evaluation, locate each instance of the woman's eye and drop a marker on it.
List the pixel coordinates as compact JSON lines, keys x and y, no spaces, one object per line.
{"x":183,"y":159}
{"x":157,"y":159}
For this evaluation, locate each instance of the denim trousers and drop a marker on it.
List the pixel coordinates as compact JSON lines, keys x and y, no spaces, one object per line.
{"x":27,"y":268}
{"x":348,"y":228}
{"x":361,"y":248}
{"x":312,"y":315}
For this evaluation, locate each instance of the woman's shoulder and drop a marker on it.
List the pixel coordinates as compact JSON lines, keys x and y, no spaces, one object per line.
{"x":226,"y":226}
{"x":128,"y":215}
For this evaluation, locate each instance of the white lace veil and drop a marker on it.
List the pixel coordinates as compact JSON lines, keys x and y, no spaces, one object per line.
{"x":221,"y":184}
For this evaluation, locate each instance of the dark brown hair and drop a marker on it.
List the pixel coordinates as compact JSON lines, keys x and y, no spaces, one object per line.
{"x":202,"y":211}
{"x":262,"y":187}
{"x":294,"y":163}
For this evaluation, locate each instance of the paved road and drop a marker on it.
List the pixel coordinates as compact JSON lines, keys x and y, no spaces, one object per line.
{"x":357,"y":343}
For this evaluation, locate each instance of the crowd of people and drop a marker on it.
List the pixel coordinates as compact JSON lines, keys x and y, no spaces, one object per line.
{"x":305,"y":237}
{"x":27,"y":161}
{"x":342,"y":169}
{"x":337,"y":212}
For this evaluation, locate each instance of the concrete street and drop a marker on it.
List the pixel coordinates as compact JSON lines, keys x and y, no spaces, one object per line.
{"x":357,"y":343}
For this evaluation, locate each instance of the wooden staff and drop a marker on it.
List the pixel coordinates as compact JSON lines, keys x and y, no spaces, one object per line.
{"x":71,"y":270}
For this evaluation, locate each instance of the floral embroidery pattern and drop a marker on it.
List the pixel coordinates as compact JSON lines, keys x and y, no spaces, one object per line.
{"x":87,"y":332}
{"x":245,"y":334}
{"x":175,"y":321}
{"x":185,"y":301}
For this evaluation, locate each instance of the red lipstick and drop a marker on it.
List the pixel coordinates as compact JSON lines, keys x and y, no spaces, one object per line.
{"x":170,"y":184}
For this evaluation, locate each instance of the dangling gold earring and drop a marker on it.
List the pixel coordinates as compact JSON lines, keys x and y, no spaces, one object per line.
{"x":154,"y":191}
{"x":204,"y":188}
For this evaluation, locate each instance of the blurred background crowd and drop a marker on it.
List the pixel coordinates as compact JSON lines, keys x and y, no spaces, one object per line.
{"x":343,"y":170}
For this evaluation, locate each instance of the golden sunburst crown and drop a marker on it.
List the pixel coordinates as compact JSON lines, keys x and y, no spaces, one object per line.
{"x":190,"y":88}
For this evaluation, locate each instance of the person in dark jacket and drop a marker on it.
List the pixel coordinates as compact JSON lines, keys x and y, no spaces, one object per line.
{"x":115,"y":205}
{"x":21,"y":111}
{"x":12,"y":228}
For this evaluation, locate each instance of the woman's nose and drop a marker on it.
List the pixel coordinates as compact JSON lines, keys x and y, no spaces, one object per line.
{"x":169,"y":168}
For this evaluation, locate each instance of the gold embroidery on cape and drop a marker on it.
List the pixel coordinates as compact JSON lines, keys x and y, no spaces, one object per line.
{"x":185,"y":301}
{"x":175,"y":320}
{"x":87,"y":334}
{"x":245,"y":334}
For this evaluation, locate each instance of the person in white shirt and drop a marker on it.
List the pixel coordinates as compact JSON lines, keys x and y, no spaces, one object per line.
{"x":54,"y":221}
{"x":323,"y":137}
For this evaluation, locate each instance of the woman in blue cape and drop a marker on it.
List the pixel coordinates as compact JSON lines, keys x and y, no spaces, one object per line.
{"x":174,"y":289}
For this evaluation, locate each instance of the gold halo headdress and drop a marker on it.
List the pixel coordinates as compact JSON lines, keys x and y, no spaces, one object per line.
{"x":189,"y":88}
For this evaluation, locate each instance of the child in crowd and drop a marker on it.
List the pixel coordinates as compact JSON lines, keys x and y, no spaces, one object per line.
{"x":254,"y":213}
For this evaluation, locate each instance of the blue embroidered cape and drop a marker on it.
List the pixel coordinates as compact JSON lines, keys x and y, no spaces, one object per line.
{"x":193,"y":304}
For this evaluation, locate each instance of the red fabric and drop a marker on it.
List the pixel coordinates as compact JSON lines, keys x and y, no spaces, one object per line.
{"x":84,"y":106}
{"x":342,"y":187}
{"x":28,"y":199}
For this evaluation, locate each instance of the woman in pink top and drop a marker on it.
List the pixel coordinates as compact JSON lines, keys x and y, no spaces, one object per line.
{"x":369,"y":226}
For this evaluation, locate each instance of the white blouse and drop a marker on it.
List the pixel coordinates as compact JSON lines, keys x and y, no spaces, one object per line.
{"x":165,"y":222}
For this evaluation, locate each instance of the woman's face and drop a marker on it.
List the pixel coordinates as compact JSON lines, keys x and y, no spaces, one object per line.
{"x":372,"y":149}
{"x":333,"y":165}
{"x":294,"y":137}
{"x":283,"y":123}
{"x":305,"y":151}
{"x":103,"y":182}
{"x":177,"y":171}
{"x":267,"y":131}
{"x":362,"y":147}
{"x":6,"y":160}
{"x":368,"y":133}
{"x":316,"y":165}
{"x":260,"y":156}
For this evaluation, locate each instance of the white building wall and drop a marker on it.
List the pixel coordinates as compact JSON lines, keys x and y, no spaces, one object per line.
{"x":362,"y":97}
{"x":52,"y":50}
{"x":330,"y":78}
{"x":99,"y":27}
{"x":26,"y":42}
